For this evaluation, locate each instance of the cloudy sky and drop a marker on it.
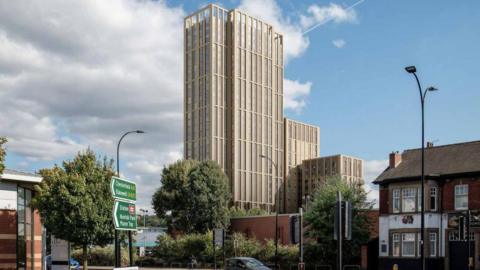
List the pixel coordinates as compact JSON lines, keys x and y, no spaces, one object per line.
{"x":77,"y":74}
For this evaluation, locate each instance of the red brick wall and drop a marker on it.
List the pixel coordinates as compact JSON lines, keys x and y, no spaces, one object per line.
{"x":373,"y":216}
{"x":448,"y":193}
{"x":263,"y":227}
{"x":474,"y":194}
{"x":8,"y":239}
{"x":37,"y":241}
{"x":384,"y":204}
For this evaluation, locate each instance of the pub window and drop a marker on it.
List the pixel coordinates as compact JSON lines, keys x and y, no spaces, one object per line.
{"x":408,"y":199}
{"x":396,"y":244}
{"x":433,"y":244}
{"x":419,"y":199}
{"x":461,"y":197}
{"x":433,"y":199}
{"x":396,"y":201}
{"x":408,"y":244}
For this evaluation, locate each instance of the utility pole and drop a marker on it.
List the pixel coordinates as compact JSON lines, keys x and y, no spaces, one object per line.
{"x":470,"y":259}
{"x":300,"y":214}
{"x":339,"y":231}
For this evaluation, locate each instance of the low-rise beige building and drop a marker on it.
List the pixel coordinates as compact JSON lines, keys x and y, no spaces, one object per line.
{"x":313,"y":172}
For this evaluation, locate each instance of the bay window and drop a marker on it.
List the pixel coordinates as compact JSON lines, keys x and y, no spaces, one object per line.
{"x":396,"y":245}
{"x":433,"y":244}
{"x":408,"y":199}
{"x":408,"y":244}
{"x":396,"y":200}
{"x":433,"y":199}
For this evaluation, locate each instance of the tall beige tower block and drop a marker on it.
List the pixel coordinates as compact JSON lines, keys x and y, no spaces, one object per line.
{"x":233,"y":106}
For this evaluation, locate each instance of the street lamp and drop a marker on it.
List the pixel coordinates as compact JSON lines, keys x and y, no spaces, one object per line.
{"x":117,"y":242}
{"x":277,"y":209}
{"x":423,"y":94}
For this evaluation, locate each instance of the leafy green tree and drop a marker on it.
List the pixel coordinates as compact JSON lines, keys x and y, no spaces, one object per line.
{"x":75,"y":201}
{"x":193,"y":197}
{"x":235,"y":212}
{"x":320,"y":217}
{"x":151,"y":221}
{"x":2,"y":154}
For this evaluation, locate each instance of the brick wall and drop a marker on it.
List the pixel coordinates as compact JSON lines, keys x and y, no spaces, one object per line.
{"x":383,"y":202}
{"x":37,"y":241}
{"x":263,"y":227}
{"x":8,"y":239}
{"x":448,"y":194}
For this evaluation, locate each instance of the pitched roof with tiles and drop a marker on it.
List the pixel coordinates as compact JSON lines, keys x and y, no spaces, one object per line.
{"x":441,"y":160}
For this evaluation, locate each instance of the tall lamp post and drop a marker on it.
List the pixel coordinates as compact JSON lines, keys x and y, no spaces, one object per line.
{"x":277,"y":209}
{"x":423,"y":94}
{"x":117,"y":242}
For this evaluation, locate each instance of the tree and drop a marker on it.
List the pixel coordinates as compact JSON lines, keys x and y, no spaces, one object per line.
{"x":75,"y":201}
{"x":235,"y":212}
{"x":2,"y":154}
{"x":320,"y":217}
{"x":193,"y":197}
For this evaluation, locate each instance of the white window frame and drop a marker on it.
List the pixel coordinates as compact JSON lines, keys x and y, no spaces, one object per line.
{"x":396,"y":193}
{"x":432,"y":240}
{"x":396,"y":239}
{"x":418,"y":244}
{"x":460,"y":190}
{"x":434,"y":195}
{"x":419,"y":199}
{"x":403,"y":244}
{"x":410,"y":194}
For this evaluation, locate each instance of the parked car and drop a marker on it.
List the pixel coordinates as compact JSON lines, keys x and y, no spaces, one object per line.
{"x":245,"y":263}
{"x":74,"y":264}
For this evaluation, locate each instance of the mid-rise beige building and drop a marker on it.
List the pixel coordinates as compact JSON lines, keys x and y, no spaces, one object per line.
{"x":302,"y":141}
{"x":233,"y":106}
{"x":315,"y":171}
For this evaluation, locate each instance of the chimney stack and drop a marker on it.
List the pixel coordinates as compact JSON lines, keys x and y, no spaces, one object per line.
{"x":429,"y":144}
{"x":395,"y":159}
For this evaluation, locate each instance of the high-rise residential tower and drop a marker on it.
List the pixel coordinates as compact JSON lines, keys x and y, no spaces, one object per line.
{"x":233,"y":107}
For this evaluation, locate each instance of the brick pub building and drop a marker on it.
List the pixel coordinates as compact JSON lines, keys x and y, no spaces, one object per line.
{"x":20,"y":226}
{"x":452,"y":187}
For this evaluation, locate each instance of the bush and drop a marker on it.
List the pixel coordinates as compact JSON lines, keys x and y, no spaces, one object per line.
{"x":103,"y":256}
{"x":181,"y":249}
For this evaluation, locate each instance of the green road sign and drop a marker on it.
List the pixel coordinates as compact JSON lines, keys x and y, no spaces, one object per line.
{"x":124,"y":216}
{"x":123,"y":189}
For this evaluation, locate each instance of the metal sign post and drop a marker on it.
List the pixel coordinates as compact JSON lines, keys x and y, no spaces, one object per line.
{"x":218,"y":240}
{"x":124,"y":192}
{"x":342,"y":226}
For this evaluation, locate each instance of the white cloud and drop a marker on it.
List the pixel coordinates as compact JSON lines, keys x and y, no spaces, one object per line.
{"x":373,"y":168}
{"x":318,"y":15}
{"x":295,"y":94}
{"x":79,"y":74}
{"x":339,"y":43}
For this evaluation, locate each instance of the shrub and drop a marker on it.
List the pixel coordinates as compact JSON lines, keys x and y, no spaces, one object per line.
{"x":103,"y":256}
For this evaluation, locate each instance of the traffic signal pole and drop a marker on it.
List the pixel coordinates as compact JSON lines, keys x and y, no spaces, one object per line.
{"x":339,"y":230}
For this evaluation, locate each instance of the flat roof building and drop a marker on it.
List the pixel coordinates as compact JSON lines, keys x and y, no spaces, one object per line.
{"x":233,"y":101}
{"x":21,"y":230}
{"x":302,"y":141}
